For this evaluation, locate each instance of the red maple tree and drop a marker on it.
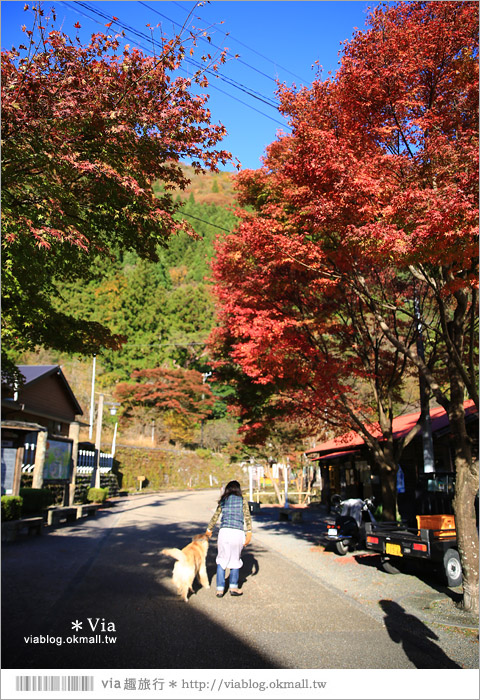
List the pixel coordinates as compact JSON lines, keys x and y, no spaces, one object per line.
{"x":175,"y":390}
{"x":371,"y":202}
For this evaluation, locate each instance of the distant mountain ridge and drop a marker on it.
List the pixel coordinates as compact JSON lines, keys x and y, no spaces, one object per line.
{"x":209,"y":188}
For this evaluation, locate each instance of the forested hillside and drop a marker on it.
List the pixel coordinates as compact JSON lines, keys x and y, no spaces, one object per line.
{"x":163,"y":309}
{"x":216,"y":188}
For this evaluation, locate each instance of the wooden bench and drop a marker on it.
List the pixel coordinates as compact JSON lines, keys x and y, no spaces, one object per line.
{"x":11,"y":528}
{"x":86,"y":510}
{"x":57,"y":515}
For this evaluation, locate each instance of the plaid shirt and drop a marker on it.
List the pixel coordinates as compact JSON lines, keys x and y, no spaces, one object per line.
{"x":235,"y":514}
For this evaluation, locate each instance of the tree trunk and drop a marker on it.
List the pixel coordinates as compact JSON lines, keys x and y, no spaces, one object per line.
{"x":389,"y":491}
{"x":269,"y":474}
{"x":467,"y":535}
{"x":385,"y":457}
{"x":466,"y":488}
{"x":388,"y":477}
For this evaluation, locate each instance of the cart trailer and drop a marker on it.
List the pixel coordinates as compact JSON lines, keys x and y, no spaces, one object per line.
{"x":434,"y":541}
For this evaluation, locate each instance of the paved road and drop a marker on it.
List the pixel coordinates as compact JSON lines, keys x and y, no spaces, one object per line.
{"x":107,"y":574}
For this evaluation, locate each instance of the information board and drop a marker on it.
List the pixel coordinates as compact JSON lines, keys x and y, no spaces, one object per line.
{"x":58,"y":458}
{"x":9,"y":455}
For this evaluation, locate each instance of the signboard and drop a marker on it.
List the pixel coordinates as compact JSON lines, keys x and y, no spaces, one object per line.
{"x":9,"y":456}
{"x":58,"y":459}
{"x":400,"y":480}
{"x":257,"y":472}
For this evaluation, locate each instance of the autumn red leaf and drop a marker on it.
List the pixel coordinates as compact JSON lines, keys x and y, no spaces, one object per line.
{"x":370,"y":204}
{"x":174,"y":390}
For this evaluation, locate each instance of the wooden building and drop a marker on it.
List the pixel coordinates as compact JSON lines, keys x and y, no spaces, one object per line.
{"x":45,"y":398}
{"x":40,"y":429}
{"x":346,"y":465}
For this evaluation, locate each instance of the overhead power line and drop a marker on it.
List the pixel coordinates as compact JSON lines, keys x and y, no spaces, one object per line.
{"x":160,"y":14}
{"x":275,"y":63}
{"x":239,"y":86}
{"x":272,"y":119}
{"x":147,"y":49}
{"x":191,"y":216}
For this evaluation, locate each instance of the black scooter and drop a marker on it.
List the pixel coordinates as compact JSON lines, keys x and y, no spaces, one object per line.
{"x":349,"y":530}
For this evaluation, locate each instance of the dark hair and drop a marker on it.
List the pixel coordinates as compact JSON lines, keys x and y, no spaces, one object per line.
{"x":233,"y":488}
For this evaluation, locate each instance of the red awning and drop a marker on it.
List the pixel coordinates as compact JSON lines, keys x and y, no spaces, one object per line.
{"x":333,"y":455}
{"x":401,"y":427}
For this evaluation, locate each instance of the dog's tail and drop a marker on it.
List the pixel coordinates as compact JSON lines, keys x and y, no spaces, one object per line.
{"x":174,"y":553}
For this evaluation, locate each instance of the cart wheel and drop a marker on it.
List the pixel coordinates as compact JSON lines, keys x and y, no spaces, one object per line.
{"x":452,"y":568}
{"x":388,"y":567}
{"x":341,"y":547}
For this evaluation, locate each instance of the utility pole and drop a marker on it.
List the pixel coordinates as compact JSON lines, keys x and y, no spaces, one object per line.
{"x":114,"y":438}
{"x":98,"y":439}
{"x":92,"y":400}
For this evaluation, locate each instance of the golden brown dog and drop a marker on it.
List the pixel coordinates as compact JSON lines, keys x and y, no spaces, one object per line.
{"x":190,"y":563}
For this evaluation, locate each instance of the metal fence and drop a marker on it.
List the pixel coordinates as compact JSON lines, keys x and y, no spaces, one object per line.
{"x":29,"y":457}
{"x":85,"y":463}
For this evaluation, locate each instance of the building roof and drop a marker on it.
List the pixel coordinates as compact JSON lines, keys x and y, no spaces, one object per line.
{"x":33,"y":373}
{"x":334,"y":455}
{"x":402,"y":425}
{"x":22,"y":425}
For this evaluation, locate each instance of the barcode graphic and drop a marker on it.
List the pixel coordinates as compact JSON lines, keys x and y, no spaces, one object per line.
{"x":52,"y":683}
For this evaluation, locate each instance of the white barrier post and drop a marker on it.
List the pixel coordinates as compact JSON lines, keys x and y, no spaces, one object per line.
{"x":285,"y":476}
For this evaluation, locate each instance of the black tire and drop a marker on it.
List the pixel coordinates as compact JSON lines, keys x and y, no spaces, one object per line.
{"x":341,"y":547}
{"x":388,"y":567}
{"x":452,"y":568}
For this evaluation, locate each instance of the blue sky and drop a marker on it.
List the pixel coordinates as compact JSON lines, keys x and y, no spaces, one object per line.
{"x":275,"y":41}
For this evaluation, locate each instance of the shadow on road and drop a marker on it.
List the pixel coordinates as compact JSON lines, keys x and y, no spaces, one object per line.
{"x":311,"y":528}
{"x":421,"y":570}
{"x":250,"y":567}
{"x":117,"y":584}
{"x":415,"y":637}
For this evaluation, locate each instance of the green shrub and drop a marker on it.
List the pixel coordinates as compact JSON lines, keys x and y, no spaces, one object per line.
{"x":203,"y":453}
{"x":35,"y":500}
{"x":11,"y":507}
{"x":97,"y":495}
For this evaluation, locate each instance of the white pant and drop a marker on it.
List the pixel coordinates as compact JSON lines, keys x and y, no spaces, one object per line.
{"x":230,"y":543}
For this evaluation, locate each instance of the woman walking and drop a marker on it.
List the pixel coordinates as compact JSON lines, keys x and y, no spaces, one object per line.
{"x":235,"y":532}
